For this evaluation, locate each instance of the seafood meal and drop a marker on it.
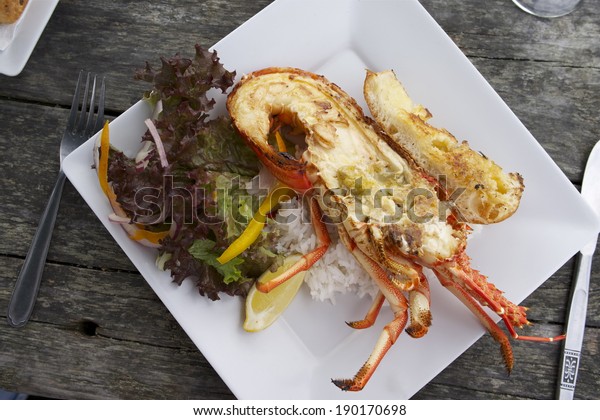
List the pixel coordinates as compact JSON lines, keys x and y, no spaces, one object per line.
{"x":398,"y":193}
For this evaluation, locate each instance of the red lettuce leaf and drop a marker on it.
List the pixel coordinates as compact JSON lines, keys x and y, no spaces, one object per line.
{"x":198,"y":148}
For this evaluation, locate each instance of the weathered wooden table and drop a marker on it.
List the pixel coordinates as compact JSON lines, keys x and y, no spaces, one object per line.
{"x":98,"y":330}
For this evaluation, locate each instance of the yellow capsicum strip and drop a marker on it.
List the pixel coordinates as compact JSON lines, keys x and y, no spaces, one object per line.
{"x":152,"y":237}
{"x":256,"y":225}
{"x":103,"y":164}
{"x":137,"y":233}
{"x":252,"y":231}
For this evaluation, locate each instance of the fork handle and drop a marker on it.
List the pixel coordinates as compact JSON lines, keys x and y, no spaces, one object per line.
{"x":28,"y":283}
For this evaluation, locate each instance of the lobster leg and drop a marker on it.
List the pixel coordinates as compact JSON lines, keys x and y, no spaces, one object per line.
{"x":420,"y":316}
{"x":388,"y":336}
{"x":474,"y":306}
{"x":487,"y":294}
{"x":418,"y":296}
{"x":371,"y":316}
{"x":390,"y":332}
{"x":307,"y":260}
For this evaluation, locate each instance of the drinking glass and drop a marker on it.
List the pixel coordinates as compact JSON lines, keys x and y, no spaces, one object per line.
{"x":547,"y":8}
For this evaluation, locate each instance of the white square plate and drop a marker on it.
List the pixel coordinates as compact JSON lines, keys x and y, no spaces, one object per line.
{"x":30,"y":28}
{"x":297,"y":356}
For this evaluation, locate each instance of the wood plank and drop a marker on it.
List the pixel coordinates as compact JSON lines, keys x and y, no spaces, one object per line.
{"x":546,"y":82}
{"x":92,"y":300}
{"x":29,"y":174}
{"x":107,"y":313}
{"x":97,"y":328}
{"x":116,"y":40}
{"x":501,"y":31}
{"x":547,"y":71}
{"x":475,"y":376}
{"x":565,"y":93}
{"x":555,"y":102}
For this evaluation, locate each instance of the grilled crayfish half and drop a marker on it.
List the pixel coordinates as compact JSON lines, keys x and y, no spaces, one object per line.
{"x":386,"y":208}
{"x":479,"y":189}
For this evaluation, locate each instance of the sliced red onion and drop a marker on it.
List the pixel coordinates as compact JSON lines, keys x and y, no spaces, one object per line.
{"x":113,"y":217}
{"x":159,"y":144}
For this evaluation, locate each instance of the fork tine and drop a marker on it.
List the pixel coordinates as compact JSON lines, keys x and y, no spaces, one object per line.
{"x":81,"y":119}
{"x":90,"y":117}
{"x":75,"y":104}
{"x":100,"y":119}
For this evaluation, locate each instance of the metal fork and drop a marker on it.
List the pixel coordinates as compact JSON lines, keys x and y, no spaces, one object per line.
{"x":85,"y":119}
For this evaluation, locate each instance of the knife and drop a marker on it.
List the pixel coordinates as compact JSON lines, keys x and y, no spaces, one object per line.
{"x":590,"y":191}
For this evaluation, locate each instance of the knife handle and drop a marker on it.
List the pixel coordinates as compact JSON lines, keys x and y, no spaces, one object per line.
{"x":575,"y":328}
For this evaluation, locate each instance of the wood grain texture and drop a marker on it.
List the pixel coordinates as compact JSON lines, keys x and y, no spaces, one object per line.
{"x":99,"y":331}
{"x":101,"y":327}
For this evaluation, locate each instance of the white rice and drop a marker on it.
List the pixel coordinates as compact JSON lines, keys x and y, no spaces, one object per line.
{"x":336,"y":272}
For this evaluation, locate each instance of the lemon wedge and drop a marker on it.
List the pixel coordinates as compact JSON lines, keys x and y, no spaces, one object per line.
{"x":262,"y":309}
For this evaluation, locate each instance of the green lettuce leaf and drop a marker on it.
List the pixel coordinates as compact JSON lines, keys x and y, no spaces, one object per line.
{"x":204,"y":250}
{"x":201,"y":192}
{"x":235,"y":205}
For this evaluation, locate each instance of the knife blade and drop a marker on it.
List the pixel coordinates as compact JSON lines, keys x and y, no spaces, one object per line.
{"x":590,"y":191}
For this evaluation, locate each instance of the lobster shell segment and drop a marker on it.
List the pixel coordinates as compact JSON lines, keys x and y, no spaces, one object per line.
{"x":364,"y":183}
{"x":389,"y":211}
{"x":484,"y":192}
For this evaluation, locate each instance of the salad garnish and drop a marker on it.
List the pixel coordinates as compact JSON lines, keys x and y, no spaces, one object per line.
{"x":189,"y":192}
